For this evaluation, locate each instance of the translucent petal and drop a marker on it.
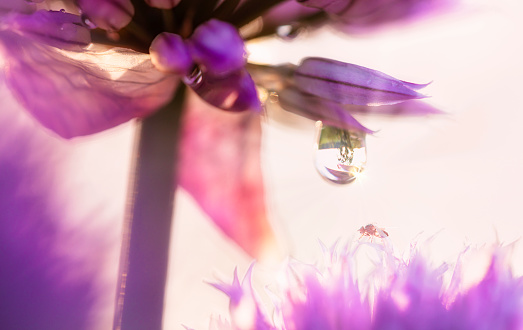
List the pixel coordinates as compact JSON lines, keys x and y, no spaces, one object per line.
{"x":80,"y":93}
{"x":218,"y":48}
{"x":220,"y":167}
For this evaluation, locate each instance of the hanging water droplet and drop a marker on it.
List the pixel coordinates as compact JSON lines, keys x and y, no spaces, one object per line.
{"x":341,"y":154}
{"x":288,"y":32}
{"x":62,"y":10}
{"x":194,"y":78}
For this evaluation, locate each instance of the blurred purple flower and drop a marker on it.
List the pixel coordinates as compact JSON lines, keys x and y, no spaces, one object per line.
{"x":44,"y":281}
{"x":363,"y":15}
{"x":395,"y":294}
{"x":76,"y":88}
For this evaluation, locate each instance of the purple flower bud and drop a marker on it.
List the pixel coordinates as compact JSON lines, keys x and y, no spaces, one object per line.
{"x":352,"y":84}
{"x":163,"y":4}
{"x":218,"y":48}
{"x":235,"y":92}
{"x":169,"y":53}
{"x":109,"y":15}
{"x":54,"y":28}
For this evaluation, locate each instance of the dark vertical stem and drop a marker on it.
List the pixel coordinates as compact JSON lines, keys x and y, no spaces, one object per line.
{"x":147,"y":227}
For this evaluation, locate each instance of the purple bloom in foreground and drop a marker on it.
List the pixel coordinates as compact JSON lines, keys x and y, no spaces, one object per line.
{"x":395,"y":294}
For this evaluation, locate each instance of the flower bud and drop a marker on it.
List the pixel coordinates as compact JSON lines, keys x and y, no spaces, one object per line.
{"x":218,"y":48}
{"x":169,"y":53}
{"x":235,"y":92}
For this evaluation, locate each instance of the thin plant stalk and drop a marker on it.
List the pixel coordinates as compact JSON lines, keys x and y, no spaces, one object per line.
{"x":146,"y":235}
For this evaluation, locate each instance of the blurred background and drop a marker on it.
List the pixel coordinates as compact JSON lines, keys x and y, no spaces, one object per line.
{"x":458,"y":175}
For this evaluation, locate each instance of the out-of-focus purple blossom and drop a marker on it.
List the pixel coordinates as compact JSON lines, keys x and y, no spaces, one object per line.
{"x":362,"y":15}
{"x":244,"y":305}
{"x":43,"y":285}
{"x":397,"y":294}
{"x":218,"y":48}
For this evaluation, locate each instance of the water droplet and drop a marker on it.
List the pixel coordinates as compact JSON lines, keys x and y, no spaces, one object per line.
{"x":62,"y":10}
{"x":288,"y":32}
{"x":341,"y":154}
{"x":87,"y":22}
{"x":194,"y":78}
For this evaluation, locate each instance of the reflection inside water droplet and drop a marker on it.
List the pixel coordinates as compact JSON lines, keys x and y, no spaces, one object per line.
{"x":340,"y":154}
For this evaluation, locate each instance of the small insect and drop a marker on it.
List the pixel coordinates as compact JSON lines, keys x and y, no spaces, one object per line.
{"x":372,"y":231}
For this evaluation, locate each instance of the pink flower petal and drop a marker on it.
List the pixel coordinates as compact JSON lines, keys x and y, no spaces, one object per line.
{"x":220,"y":167}
{"x":80,"y":93}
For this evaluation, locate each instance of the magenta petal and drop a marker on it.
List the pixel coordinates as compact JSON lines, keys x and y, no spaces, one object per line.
{"x":351,"y":84}
{"x":220,"y":167}
{"x":83,"y":93}
{"x":316,"y":108}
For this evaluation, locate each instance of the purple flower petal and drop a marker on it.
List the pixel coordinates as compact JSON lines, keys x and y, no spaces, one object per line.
{"x":163,"y":4}
{"x":83,"y":93}
{"x":351,"y":84}
{"x":220,"y":167}
{"x":244,"y":303}
{"x":109,"y":15}
{"x":316,"y":108}
{"x":396,"y":294}
{"x":218,"y":48}
{"x":18,"y":6}
{"x":54,"y":28}
{"x":235,"y":92}
{"x":169,"y":53}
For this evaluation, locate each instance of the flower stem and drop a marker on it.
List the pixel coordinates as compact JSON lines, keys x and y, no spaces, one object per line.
{"x":146,"y":234}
